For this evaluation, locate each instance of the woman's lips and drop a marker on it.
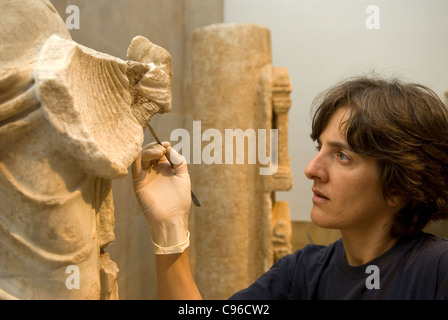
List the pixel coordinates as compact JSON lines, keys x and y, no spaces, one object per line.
{"x":319,"y":196}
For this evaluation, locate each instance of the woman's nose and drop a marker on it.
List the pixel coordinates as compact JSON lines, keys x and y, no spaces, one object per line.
{"x":316,"y":169}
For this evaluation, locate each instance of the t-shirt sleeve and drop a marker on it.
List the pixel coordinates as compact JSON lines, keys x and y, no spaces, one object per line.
{"x":442,"y":277}
{"x":293,"y":277}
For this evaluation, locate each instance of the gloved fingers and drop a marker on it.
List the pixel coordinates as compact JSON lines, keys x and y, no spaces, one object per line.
{"x":150,"y":145}
{"x":152,"y":154}
{"x":166,"y":144}
{"x":148,"y":151}
{"x":179,"y":162}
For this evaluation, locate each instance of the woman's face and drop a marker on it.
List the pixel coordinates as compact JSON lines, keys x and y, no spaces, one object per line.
{"x":347,"y":187}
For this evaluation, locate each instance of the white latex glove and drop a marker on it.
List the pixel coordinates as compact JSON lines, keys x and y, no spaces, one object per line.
{"x":164,"y":196}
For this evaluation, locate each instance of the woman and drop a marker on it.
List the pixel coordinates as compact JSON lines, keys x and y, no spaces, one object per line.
{"x":380,"y":175}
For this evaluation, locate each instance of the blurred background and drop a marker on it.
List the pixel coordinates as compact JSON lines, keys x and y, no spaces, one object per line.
{"x":320,"y":42}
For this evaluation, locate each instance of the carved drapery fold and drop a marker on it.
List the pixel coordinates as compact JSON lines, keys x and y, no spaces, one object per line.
{"x":71,"y":119}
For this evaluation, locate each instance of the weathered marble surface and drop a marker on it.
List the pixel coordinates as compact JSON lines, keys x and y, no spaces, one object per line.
{"x":71,"y":119}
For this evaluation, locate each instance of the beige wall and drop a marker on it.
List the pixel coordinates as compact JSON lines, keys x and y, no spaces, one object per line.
{"x":109,"y":26}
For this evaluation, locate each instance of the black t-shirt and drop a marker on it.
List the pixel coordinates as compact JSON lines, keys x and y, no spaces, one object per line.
{"x":416,"y":267}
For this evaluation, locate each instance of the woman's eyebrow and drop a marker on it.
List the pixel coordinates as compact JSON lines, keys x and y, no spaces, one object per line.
{"x":335,"y":143}
{"x":339,"y":144}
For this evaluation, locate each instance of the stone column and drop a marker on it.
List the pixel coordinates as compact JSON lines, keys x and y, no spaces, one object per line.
{"x":232,"y":89}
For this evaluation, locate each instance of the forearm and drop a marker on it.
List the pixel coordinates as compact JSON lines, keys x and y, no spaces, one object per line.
{"x":174,"y":277}
{"x":164,"y":197}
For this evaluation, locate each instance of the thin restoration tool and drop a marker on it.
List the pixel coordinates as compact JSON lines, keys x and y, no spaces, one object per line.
{"x":193,"y":197}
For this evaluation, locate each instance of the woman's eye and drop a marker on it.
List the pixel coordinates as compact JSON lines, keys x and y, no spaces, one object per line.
{"x":318,"y":148}
{"x":342,"y":156}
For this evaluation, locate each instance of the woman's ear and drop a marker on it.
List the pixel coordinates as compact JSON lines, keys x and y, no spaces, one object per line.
{"x":395,"y":200}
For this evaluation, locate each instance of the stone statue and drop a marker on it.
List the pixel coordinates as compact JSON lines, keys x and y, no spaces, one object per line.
{"x":71,"y":119}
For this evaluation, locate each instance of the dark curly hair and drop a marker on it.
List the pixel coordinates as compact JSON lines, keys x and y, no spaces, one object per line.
{"x":405,"y":127}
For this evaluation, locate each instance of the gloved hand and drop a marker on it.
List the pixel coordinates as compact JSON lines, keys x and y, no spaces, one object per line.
{"x":163,"y":193}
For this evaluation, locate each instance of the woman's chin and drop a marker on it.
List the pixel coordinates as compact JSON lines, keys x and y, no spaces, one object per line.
{"x":322,"y":219}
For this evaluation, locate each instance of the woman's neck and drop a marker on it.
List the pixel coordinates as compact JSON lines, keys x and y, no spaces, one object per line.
{"x":363,"y":246}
